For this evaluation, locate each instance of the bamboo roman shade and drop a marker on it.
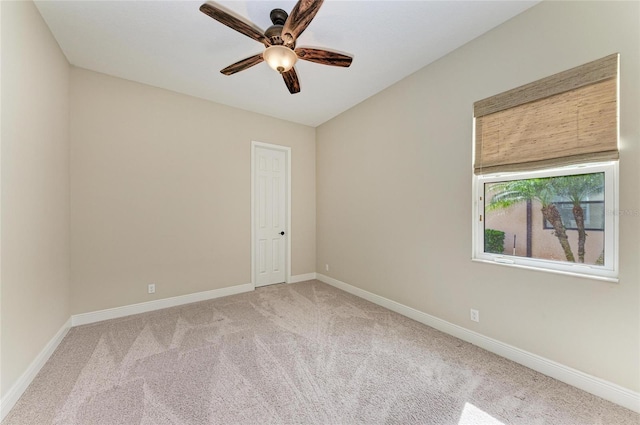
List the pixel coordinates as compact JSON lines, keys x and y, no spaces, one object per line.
{"x":567,"y":118}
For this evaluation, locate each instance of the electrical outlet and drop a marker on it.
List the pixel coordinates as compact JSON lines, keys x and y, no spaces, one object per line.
{"x":475,"y":315}
{"x":152,"y":288}
{"x":326,"y":267}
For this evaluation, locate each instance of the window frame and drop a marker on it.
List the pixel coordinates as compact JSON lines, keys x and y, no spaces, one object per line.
{"x":607,"y":272}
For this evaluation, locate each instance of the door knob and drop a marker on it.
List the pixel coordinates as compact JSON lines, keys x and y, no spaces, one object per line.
{"x":282,"y":233}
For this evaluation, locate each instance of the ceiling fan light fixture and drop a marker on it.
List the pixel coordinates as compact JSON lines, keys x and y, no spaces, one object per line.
{"x":280,"y":58}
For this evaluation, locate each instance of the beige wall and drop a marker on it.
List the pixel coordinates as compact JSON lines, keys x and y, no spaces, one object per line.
{"x":35,"y":189}
{"x":161,"y":188}
{"x":394,"y":194}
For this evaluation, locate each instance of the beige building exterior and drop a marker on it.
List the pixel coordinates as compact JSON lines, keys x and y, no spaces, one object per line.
{"x":544,"y":244}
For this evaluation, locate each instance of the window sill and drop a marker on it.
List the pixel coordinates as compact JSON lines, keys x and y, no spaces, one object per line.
{"x":539,"y":269}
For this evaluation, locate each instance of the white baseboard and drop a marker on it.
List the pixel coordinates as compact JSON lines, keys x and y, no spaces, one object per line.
{"x":128,"y":310}
{"x":591,"y":384}
{"x":18,"y":388}
{"x":302,"y":277}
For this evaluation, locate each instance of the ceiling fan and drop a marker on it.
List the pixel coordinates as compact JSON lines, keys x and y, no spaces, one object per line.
{"x":279,"y":40}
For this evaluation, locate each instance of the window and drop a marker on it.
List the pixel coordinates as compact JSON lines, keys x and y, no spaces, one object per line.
{"x":592,"y":215}
{"x":558,"y":220}
{"x":545,"y":173}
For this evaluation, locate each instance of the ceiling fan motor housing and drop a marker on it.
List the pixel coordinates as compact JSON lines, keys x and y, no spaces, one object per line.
{"x":278,"y":16}
{"x":274,"y":32}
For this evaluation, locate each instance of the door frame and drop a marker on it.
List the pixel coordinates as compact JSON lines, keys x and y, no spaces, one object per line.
{"x":287,"y":208}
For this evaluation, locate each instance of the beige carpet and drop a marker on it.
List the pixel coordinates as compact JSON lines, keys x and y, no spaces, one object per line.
{"x":305,"y":353}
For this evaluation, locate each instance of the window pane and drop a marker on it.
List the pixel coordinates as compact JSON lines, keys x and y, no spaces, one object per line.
{"x":553,"y":218}
{"x":593,"y":215}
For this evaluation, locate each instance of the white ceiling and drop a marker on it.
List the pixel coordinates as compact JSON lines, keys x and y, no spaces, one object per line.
{"x":172,"y":45}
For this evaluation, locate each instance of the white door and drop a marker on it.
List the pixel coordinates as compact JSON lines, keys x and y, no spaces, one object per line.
{"x":270,"y":216}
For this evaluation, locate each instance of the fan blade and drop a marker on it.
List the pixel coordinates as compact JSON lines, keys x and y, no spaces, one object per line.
{"x":243,"y":64}
{"x":325,"y":57}
{"x":291,"y":80}
{"x":299,"y":18}
{"x":226,"y":18}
